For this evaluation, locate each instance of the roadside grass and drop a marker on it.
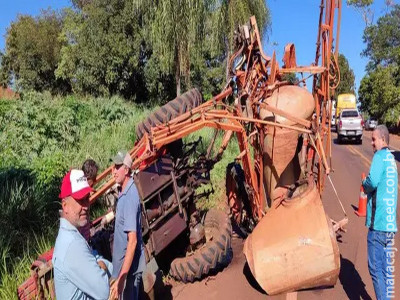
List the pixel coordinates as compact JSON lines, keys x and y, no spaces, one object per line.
{"x":13,"y":273}
{"x":40,"y":139}
{"x":14,"y":270}
{"x":215,"y":190}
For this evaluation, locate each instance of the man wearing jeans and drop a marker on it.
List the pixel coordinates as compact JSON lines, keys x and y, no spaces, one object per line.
{"x":381,"y":187}
{"x":128,"y":256}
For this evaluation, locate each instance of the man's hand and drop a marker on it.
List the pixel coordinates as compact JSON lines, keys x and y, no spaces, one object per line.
{"x":117,"y":287}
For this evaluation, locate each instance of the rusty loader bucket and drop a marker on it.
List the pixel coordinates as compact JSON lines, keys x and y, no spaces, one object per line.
{"x":294,"y":246}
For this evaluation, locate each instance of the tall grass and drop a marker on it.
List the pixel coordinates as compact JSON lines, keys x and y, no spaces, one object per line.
{"x":15,"y":269}
{"x":40,"y":139}
{"x":218,"y":173}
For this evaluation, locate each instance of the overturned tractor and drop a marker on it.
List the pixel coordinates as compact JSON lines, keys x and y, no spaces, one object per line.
{"x":283,"y":132}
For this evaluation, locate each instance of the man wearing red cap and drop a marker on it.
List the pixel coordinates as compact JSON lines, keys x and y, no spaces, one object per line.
{"x":77,"y":272}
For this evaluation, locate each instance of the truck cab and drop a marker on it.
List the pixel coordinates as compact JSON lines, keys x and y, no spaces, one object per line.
{"x":344,"y":101}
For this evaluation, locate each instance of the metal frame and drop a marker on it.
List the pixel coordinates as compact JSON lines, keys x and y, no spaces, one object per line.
{"x":253,"y":78}
{"x":260,"y":78}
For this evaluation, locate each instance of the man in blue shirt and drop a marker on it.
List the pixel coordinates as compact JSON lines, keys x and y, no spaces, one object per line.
{"x":128,"y":252}
{"x":78,"y":274}
{"x":381,"y":187}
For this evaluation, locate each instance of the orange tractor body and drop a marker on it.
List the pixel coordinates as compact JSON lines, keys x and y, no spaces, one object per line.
{"x":283,"y":132}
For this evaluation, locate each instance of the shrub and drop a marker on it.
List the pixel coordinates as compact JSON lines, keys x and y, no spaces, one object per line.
{"x":40,"y":139}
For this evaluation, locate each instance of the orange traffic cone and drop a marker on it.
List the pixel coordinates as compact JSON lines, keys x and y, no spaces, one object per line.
{"x":362,"y":201}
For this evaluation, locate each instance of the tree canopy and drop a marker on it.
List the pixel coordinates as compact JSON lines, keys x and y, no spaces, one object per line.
{"x":142,"y":50}
{"x":379,"y":91}
{"x":347,"y":77}
{"x":383,"y":40}
{"x":33,"y":52}
{"x":102,"y":49}
{"x":177,"y":33}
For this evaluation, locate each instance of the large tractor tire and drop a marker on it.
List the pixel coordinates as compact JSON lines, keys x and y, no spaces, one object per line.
{"x":169,"y":111}
{"x":215,"y":254}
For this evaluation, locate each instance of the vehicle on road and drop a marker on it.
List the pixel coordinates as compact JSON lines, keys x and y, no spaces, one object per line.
{"x":333,"y":119}
{"x":350,"y":126}
{"x":344,"y":101}
{"x":371,"y":124}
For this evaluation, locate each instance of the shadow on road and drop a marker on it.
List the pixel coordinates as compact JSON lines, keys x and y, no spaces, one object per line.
{"x":354,"y":207}
{"x":351,"y":281}
{"x":160,"y":291}
{"x":345,"y":142}
{"x":241,"y":232}
{"x":250,"y":278}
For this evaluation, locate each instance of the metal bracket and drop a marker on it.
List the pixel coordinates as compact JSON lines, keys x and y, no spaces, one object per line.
{"x":176,"y":193}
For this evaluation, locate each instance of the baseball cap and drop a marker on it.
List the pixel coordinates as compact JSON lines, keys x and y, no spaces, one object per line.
{"x":74,"y":184}
{"x":122,"y":158}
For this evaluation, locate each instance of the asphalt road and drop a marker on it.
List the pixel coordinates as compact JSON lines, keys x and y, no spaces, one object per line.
{"x":236,"y":282}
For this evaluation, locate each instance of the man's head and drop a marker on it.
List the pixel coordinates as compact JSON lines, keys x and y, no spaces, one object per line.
{"x":122,"y":167}
{"x":380,"y":138}
{"x":90,"y":169}
{"x":74,"y":196}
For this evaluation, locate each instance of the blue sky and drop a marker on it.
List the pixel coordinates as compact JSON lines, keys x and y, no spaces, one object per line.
{"x":295,"y":21}
{"x":292,"y":21}
{"x":9,"y":10}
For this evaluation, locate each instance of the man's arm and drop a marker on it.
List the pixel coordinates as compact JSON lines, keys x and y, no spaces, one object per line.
{"x":131,"y":212}
{"x":375,"y":174}
{"x":118,"y":286}
{"x":84,"y":272}
{"x":103,"y":263}
{"x":130,"y":252}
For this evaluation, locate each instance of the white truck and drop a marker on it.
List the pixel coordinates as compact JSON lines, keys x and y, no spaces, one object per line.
{"x":349,"y":125}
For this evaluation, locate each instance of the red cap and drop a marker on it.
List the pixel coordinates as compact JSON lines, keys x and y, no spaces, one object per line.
{"x":74,"y":184}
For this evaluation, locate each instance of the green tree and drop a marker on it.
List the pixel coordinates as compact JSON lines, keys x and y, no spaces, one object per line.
{"x":104,"y":52}
{"x":143,"y":50}
{"x":290,"y":77}
{"x":347,"y":77}
{"x":379,"y":91}
{"x":383,"y":40}
{"x":137,"y":49}
{"x":228,"y":15}
{"x":4,"y":73}
{"x":32,"y":53}
{"x":360,"y":3}
{"x":177,"y":33}
{"x":364,"y":8}
{"x":80,"y":3}
{"x":379,"y":94}
{"x":192,"y":36}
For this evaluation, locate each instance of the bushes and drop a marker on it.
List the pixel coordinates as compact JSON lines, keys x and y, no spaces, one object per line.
{"x":40,"y":139}
{"x":215,"y":191}
{"x":38,"y":126}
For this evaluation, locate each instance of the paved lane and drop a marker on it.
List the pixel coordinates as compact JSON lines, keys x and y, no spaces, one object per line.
{"x":349,"y":161}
